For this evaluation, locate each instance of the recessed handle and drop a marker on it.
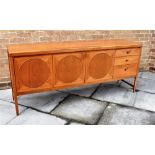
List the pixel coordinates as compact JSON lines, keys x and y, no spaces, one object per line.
{"x":126,"y":69}
{"x":127,"y":52}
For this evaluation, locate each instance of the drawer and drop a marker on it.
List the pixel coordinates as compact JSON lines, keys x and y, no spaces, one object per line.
{"x":127,"y":52}
{"x":126,"y":60}
{"x":126,"y":70}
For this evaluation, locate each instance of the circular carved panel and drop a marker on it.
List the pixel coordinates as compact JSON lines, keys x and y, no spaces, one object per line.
{"x":100,"y":65}
{"x":69,"y":69}
{"x":34,"y":73}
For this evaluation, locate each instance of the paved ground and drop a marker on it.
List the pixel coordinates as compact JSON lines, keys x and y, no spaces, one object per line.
{"x":110,"y":103}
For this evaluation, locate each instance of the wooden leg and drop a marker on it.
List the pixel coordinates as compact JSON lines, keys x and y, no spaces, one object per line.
{"x":134,"y":85}
{"x":16,"y":105}
{"x":12,"y":93}
{"x":13,"y":96}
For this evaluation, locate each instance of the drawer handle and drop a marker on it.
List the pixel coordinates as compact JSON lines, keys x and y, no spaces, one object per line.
{"x":126,"y":69}
{"x":126,"y":60}
{"x":127,"y":52}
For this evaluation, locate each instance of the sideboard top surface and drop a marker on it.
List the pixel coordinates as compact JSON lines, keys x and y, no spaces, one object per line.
{"x":69,"y":46}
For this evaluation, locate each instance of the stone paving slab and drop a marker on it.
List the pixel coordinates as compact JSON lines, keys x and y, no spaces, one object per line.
{"x":125,"y":85}
{"x":115,"y":94}
{"x":6,"y":95}
{"x":147,"y":75}
{"x":145,"y":101}
{"x":146,"y":85}
{"x":45,"y":102}
{"x":7,"y":111}
{"x":85,"y":91}
{"x":75,"y":123}
{"x":121,"y":115}
{"x":33,"y":117}
{"x":80,"y":109}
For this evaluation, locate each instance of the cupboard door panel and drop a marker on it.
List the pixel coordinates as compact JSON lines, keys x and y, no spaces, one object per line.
{"x":69,"y":69}
{"x":33,"y":73}
{"x":99,"y":65}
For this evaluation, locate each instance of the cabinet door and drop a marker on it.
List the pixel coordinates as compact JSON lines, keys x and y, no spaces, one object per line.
{"x":33,"y":73}
{"x":69,"y":69}
{"x":99,"y":65}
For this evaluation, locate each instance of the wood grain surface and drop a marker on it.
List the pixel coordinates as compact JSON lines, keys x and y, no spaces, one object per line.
{"x":52,"y":66}
{"x":70,"y":46}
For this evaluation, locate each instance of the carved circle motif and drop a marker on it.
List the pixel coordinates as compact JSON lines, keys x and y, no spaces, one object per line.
{"x":69,"y":69}
{"x":100,"y":65}
{"x":34,"y":73}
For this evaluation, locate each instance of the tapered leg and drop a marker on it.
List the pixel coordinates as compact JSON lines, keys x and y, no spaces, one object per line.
{"x":13,"y":96}
{"x":16,"y":105}
{"x":134,"y":85}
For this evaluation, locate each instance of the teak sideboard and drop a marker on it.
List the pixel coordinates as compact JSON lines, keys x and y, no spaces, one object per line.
{"x":51,"y":66}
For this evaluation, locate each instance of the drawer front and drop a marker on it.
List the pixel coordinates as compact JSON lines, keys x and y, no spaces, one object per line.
{"x":33,"y":73}
{"x":126,"y":70}
{"x":126,"y":60}
{"x":127,"y":52}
